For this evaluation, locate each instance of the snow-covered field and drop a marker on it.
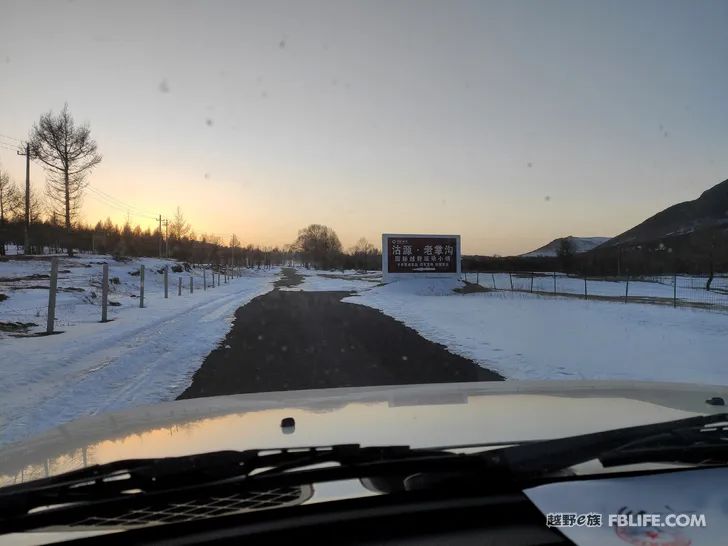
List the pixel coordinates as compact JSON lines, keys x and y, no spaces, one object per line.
{"x":530,"y":336}
{"x":525,"y":336}
{"x":689,"y":289}
{"x":149,"y":355}
{"x":141,"y":356}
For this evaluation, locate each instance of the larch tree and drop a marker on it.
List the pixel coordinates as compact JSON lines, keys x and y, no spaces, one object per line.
{"x":68,"y":154}
{"x":179,"y":228}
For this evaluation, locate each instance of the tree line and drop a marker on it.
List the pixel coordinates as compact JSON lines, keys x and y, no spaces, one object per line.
{"x":316,"y":246}
{"x":68,"y":154}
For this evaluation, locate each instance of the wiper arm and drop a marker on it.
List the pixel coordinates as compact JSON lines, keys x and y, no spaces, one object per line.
{"x":705,"y":445}
{"x":114,"y":480}
{"x":537,"y":459}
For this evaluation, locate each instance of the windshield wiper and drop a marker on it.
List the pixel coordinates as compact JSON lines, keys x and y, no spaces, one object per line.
{"x":705,"y":445}
{"x":549,"y":456}
{"x":121,"y":479}
{"x":167,"y":479}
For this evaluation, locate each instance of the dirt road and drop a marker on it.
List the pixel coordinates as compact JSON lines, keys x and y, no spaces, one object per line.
{"x":287,"y":340}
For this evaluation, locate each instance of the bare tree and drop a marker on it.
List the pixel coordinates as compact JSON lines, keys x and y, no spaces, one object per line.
{"x":234,"y":246}
{"x":179,"y":228}
{"x":37,"y":207}
{"x":10,"y":198}
{"x":362,"y":246}
{"x":318,"y":245}
{"x":68,"y":154}
{"x":566,"y":253}
{"x":365,"y":254}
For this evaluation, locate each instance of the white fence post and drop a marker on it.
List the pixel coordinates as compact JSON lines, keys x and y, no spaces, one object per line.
{"x":141,"y":286}
{"x":105,"y":293}
{"x":52,"y":296}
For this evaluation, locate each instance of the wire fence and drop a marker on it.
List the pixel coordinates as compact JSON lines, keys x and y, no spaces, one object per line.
{"x":53,"y":305}
{"x":677,"y":290}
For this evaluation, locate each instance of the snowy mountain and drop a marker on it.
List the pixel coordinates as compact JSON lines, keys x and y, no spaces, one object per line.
{"x":579,"y":244}
{"x":707,"y":212}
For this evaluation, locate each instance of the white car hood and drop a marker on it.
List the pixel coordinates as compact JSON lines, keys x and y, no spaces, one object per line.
{"x":416,"y":415}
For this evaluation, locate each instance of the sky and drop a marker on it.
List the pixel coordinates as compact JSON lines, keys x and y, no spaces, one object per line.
{"x":510,"y":123}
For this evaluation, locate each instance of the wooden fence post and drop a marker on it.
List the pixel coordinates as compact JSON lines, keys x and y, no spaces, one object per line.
{"x":179,"y":286}
{"x":166,"y":282}
{"x":52,"y":296}
{"x":510,"y":277}
{"x":141,"y":286}
{"x":586,"y":296}
{"x":531,"y":282}
{"x":626,"y":290}
{"x":493,"y":275}
{"x":192,"y":285}
{"x":204,"y":279}
{"x":104,"y":293}
{"x":554,"y":282}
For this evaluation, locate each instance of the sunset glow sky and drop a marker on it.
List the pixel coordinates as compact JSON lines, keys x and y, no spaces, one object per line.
{"x":510,"y":123}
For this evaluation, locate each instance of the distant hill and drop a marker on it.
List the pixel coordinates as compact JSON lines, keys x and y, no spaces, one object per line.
{"x":690,"y":237}
{"x":709,"y":211}
{"x":579,"y":244}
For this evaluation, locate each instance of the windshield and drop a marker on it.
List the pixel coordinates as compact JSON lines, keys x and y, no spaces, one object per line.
{"x":411,"y":222}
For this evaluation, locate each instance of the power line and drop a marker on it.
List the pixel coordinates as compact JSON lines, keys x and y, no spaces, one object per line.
{"x":122,"y":203}
{"x":116,"y":206}
{"x":11,"y":138}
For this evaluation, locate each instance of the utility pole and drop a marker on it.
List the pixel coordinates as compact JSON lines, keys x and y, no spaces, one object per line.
{"x":26,"y":227}
{"x":160,"y":235}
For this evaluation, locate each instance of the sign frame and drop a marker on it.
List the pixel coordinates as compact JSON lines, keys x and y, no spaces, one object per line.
{"x":387,"y":276}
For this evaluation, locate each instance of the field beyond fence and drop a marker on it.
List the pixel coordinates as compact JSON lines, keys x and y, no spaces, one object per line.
{"x":675,"y":290}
